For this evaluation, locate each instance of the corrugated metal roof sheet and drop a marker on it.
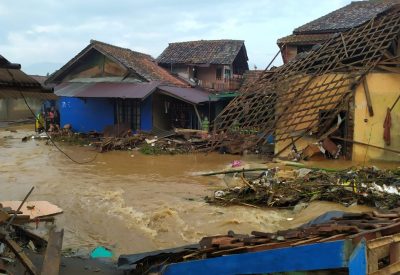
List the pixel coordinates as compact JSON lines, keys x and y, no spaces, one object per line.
{"x":107,"y":90}
{"x":191,"y":95}
{"x":130,"y":90}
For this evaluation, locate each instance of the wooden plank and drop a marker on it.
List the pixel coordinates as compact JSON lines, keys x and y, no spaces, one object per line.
{"x":18,"y":251}
{"x":307,"y":241}
{"x":368,"y":97}
{"x":4,"y":216}
{"x":390,"y":269}
{"x":374,"y":255}
{"x":52,"y":257}
{"x":333,"y":238}
{"x":394,"y":251}
{"x":34,"y":209}
{"x":372,"y":261}
{"x":382,"y":241}
{"x":366,"y":144}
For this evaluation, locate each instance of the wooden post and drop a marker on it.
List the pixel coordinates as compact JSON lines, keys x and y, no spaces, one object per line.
{"x":368,"y":97}
{"x":394,"y":252}
{"x":19,"y":253}
{"x":198,"y":117}
{"x":52,"y":257}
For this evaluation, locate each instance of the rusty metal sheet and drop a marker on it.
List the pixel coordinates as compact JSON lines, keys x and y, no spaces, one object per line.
{"x":191,"y":95}
{"x":106,"y":90}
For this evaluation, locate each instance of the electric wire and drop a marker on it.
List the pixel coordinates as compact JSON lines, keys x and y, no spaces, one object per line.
{"x":47,"y":134}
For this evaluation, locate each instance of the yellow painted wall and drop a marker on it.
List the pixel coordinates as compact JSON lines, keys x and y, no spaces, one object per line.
{"x":384,"y":89}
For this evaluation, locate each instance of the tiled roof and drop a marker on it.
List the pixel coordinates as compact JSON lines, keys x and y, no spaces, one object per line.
{"x":142,"y":64}
{"x":350,"y":16}
{"x":202,"y":52}
{"x":304,"y":38}
{"x":39,"y":78}
{"x":14,"y":83}
{"x":12,"y":76}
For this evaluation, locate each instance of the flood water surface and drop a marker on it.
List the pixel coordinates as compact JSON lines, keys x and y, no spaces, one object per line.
{"x":131,"y":202}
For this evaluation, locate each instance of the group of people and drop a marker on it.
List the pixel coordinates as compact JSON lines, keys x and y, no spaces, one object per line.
{"x":47,"y":120}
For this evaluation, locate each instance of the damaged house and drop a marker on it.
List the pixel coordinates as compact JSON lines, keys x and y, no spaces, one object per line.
{"x":217,"y":66}
{"x":106,"y":85}
{"x":16,"y":87}
{"x":341,"y":97}
{"x":320,"y":30}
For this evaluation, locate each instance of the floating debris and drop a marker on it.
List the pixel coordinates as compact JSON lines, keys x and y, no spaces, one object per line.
{"x":366,"y":186}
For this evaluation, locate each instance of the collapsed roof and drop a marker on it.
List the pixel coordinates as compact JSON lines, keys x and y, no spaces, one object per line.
{"x":221,"y":52}
{"x":288,"y":102}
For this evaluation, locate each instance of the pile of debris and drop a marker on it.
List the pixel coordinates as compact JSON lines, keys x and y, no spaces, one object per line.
{"x":20,"y":222}
{"x":178,"y":141}
{"x":331,"y":226}
{"x":365,"y":186}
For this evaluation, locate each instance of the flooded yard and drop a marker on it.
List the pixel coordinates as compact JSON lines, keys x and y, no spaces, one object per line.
{"x":131,"y":202}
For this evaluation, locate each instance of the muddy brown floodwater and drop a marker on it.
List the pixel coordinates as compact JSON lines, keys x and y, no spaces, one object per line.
{"x":131,"y":202}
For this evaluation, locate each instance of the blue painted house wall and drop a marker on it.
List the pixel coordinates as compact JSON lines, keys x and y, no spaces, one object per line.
{"x":93,"y":114}
{"x":146,"y":114}
{"x":88,"y":114}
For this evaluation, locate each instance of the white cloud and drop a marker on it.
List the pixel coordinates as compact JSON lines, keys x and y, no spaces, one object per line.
{"x":54,"y":31}
{"x":188,"y":22}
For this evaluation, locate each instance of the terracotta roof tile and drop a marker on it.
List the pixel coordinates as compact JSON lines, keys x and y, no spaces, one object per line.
{"x":142,"y":64}
{"x":350,"y":16}
{"x":201,"y":52}
{"x":304,"y":38}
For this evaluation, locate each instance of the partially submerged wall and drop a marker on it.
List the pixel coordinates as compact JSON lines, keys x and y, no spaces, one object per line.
{"x":15,"y":109}
{"x":384,"y":89}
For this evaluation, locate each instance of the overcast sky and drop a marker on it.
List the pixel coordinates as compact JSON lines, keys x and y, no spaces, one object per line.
{"x":42,"y":35}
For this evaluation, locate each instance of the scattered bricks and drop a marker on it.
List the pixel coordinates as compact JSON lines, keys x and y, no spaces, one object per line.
{"x":221,"y":241}
{"x":206,"y":242}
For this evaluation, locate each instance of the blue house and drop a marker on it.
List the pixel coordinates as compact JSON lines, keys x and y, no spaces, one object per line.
{"x":107,"y":85}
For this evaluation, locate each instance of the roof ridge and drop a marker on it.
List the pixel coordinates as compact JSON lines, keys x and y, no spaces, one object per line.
{"x":94,"y":42}
{"x":209,"y":40}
